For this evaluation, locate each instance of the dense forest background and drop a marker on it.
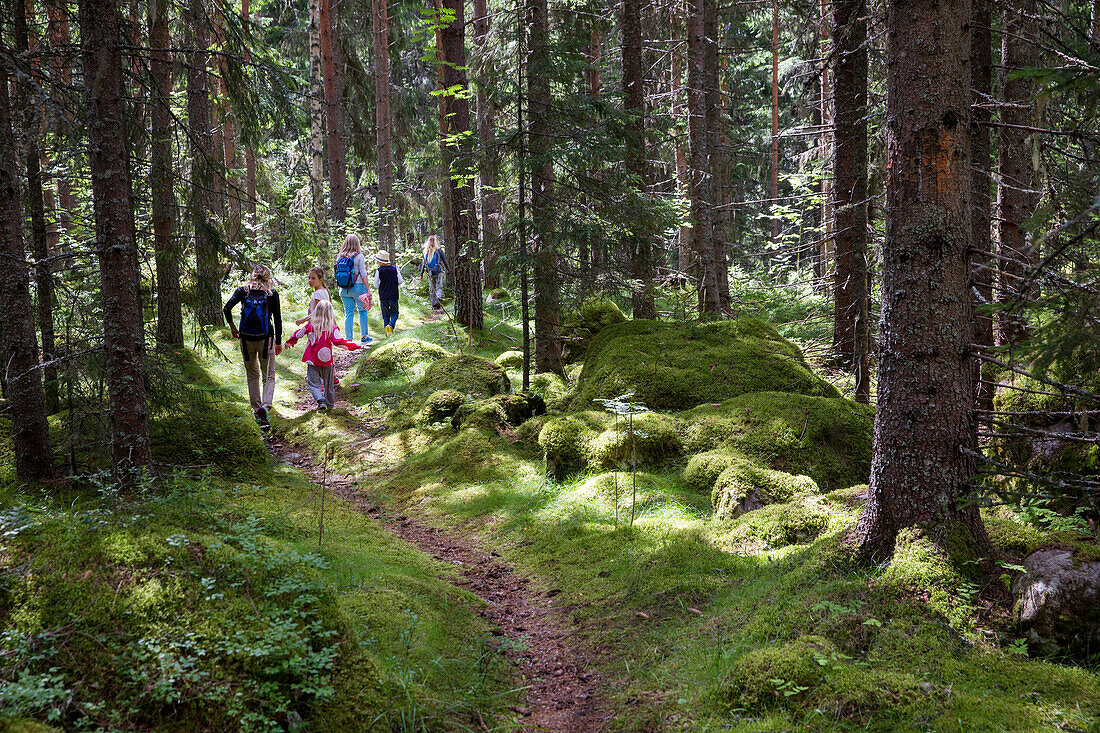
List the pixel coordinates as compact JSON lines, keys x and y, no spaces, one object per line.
{"x":910,"y":193}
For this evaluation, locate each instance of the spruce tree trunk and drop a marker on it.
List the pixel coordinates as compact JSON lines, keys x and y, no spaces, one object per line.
{"x":981,"y":83}
{"x":317,"y":131}
{"x":639,"y":246}
{"x":231,"y":182}
{"x":924,"y":422}
{"x":445,"y":151}
{"x":701,"y":213}
{"x":825,"y":111}
{"x":487,"y":168}
{"x":18,"y":343}
{"x":1016,"y":195}
{"x":775,"y":121}
{"x":683,"y":178}
{"x":716,"y":156}
{"x":851,"y":311}
{"x":467,"y":263}
{"x":249,"y":149}
{"x":332,"y":69}
{"x":547,"y":303}
{"x":163,"y":197}
{"x":208,"y":272}
{"x":36,"y":205}
{"x":61,"y":72}
{"x":381,"y":28}
{"x":108,"y":160}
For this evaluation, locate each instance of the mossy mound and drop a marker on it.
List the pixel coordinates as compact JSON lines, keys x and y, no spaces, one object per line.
{"x":703,"y":469}
{"x":565,"y":440}
{"x":921,"y":565}
{"x":210,"y":431}
{"x":746,"y":486}
{"x":579,"y":327}
{"x":510,"y":360}
{"x":675,"y":366}
{"x":647,"y":439}
{"x":828,"y":439}
{"x":441,"y":405}
{"x":499,"y":413}
{"x":407,"y":356}
{"x":794,"y":522}
{"x":553,"y":389}
{"x":467,"y":374}
{"x":499,"y":295}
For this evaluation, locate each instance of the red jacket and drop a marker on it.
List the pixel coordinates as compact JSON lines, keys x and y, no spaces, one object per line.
{"x":319,"y":347}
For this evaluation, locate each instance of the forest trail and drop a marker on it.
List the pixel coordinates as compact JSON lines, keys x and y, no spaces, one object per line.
{"x":563,"y":693}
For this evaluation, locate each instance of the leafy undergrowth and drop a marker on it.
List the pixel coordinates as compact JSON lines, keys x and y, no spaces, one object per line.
{"x":756,"y":623}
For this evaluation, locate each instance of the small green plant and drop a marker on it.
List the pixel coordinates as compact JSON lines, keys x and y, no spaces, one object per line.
{"x":620,"y":406}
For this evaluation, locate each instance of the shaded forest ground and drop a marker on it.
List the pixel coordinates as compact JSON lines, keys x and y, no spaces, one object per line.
{"x":754,"y":623}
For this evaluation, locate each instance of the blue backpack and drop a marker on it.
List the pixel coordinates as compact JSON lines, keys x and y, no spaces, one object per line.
{"x":254,"y":316}
{"x":345,"y":271}
{"x":433,"y":266}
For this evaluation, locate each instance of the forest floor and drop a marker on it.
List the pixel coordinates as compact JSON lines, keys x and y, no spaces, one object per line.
{"x":562,"y":690}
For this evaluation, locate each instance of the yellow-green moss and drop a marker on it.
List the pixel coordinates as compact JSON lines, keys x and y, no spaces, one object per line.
{"x":467,"y":373}
{"x":794,"y":522}
{"x":564,"y":441}
{"x":211,"y":432}
{"x":579,"y":327}
{"x":746,"y":486}
{"x":499,"y":412}
{"x":919,"y":565}
{"x":441,"y":405}
{"x":407,"y":356}
{"x":551,"y":388}
{"x":647,"y":439}
{"x":703,"y":469}
{"x":676,"y":366}
{"x":510,"y":360}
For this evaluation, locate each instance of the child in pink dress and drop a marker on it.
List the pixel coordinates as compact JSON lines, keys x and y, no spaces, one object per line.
{"x":321,"y":337}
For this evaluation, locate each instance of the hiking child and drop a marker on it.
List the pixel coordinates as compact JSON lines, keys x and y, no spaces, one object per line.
{"x":386,"y":279}
{"x":435,"y":267}
{"x":320,"y":292}
{"x":260,"y":334}
{"x":351,"y":277}
{"x":321,"y":336}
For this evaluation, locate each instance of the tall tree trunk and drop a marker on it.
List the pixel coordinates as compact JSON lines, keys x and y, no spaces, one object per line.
{"x":775,"y":120}
{"x":683,"y":177}
{"x":825,"y":111}
{"x":716,"y":156}
{"x":851,"y":312}
{"x":249,"y":149}
{"x":381,"y":27}
{"x":467,"y":263}
{"x":445,"y":151}
{"x":701,"y":213}
{"x":108,"y":159}
{"x":169,"y":308}
{"x":317,"y":130}
{"x":332,"y":68}
{"x":981,"y":84}
{"x":36,"y":204}
{"x":597,"y":253}
{"x":924,"y":422}
{"x":18,"y":343}
{"x":639,"y":246}
{"x":547,"y":303}
{"x":61,"y":73}
{"x":228,"y":150}
{"x":208,"y":272}
{"x":487,"y":168}
{"x":1016,"y":197}
{"x":1094,"y":25}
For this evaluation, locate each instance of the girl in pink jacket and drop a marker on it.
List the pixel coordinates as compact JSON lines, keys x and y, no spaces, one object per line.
{"x":321,"y":337}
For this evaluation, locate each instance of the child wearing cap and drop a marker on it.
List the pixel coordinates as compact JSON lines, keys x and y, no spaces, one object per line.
{"x":386,"y":279}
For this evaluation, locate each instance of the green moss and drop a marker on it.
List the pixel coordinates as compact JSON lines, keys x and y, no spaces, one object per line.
{"x":441,"y":405}
{"x":746,"y":486}
{"x":500,"y":412}
{"x":407,"y":356}
{"x":794,"y":522}
{"x":828,"y":439}
{"x":510,"y":360}
{"x":565,"y":440}
{"x":650,"y":440}
{"x":921,"y":565}
{"x":498,"y":295}
{"x":703,"y":469}
{"x":211,"y":432}
{"x":779,"y":676}
{"x":581,"y":326}
{"x":675,"y":366}
{"x":553,"y":389}
{"x":468,"y":374}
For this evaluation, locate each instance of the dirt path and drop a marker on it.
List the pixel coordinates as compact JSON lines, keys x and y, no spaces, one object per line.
{"x":564,"y":693}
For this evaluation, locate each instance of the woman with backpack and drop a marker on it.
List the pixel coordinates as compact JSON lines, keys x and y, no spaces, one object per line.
{"x":351,"y":276}
{"x":261,"y":336}
{"x":435,"y":266}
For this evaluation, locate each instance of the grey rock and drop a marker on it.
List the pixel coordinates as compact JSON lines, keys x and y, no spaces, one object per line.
{"x":1058,"y":602}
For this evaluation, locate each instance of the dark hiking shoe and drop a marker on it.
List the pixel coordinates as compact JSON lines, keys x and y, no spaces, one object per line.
{"x":262,"y":419}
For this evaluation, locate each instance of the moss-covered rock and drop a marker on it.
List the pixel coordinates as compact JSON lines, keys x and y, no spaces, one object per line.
{"x":407,"y":356}
{"x":579,"y":327}
{"x":746,"y":486}
{"x":211,"y":432}
{"x":703,"y":469}
{"x":565,"y":441}
{"x":828,"y":439}
{"x":794,"y":522}
{"x":441,"y":405}
{"x":500,"y":412}
{"x":499,"y":295}
{"x":510,"y":360}
{"x":675,"y":366}
{"x":467,"y":373}
{"x":777,"y":676}
{"x":553,"y":389}
{"x":646,"y":439}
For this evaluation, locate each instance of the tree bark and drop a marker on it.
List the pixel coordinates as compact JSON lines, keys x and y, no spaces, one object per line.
{"x":715,"y":156}
{"x":826,"y":121}
{"x":487,"y":160}
{"x":1016,"y":196}
{"x":108,"y":159}
{"x":683,"y":177}
{"x":445,"y":151}
{"x":639,"y":246}
{"x":924,"y":422}
{"x":333,"y":73}
{"x":208,"y":306}
{"x":701,"y":214}
{"x":249,"y":148}
{"x":981,"y":84}
{"x":232,"y":183}
{"x":775,"y":121}
{"x":163,"y":198}
{"x":467,"y":263}
{"x":381,"y":28}
{"x":851,"y":312}
{"x":18,"y":342}
{"x":61,"y":71}
{"x":547,"y":303}
{"x":317,"y":130}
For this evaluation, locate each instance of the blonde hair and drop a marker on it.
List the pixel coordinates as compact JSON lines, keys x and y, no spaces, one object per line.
{"x":431,"y":244}
{"x":351,"y":246}
{"x":260,"y":279}
{"x":320,"y":273}
{"x":323,"y":319}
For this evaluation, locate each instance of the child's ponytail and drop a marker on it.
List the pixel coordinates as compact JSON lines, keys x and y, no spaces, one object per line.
{"x":322,"y":319}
